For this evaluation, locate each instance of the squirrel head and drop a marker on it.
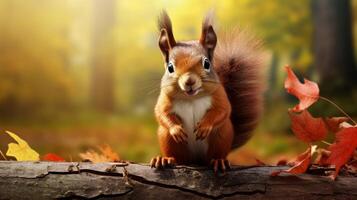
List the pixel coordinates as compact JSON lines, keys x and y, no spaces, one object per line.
{"x":189,"y":70}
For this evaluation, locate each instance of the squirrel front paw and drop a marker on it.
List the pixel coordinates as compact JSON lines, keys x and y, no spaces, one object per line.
{"x":162,"y":162}
{"x":220,"y":164}
{"x":202,"y":131}
{"x":178,"y":134}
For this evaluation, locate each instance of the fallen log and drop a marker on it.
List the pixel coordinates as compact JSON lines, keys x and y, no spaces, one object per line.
{"x":84,"y":180}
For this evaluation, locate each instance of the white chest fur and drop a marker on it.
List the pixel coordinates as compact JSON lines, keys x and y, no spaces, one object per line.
{"x":191,"y":112}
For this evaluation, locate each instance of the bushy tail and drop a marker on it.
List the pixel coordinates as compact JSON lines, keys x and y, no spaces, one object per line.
{"x":239,"y":61}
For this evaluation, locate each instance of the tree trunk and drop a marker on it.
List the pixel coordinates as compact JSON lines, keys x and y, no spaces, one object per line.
{"x":333,"y":44}
{"x":102,"y":82}
{"x":48,"y":180}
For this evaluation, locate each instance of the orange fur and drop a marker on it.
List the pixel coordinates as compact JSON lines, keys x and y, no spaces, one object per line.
{"x":217,"y":119}
{"x":238,"y":61}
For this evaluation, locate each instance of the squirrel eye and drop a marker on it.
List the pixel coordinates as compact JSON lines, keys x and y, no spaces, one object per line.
{"x":206,"y":64}
{"x":170,"y":68}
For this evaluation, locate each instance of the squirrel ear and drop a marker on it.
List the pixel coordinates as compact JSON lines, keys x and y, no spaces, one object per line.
{"x":166,"y":39}
{"x":208,"y":39}
{"x":164,"y":43}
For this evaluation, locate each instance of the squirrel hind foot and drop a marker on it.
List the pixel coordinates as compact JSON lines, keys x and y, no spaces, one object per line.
{"x":162,"y":162}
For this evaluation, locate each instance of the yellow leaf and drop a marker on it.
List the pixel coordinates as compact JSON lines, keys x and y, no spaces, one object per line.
{"x":21,"y":151}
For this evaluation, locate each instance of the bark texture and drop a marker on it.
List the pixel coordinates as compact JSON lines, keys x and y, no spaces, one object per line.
{"x":73,"y":180}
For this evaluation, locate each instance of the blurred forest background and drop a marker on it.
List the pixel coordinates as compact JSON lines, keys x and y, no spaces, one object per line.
{"x":75,"y":74}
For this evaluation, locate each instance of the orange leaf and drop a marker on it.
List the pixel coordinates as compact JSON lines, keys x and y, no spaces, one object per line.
{"x":307,"y":92}
{"x":52,"y":157}
{"x":343,"y":148}
{"x":306,"y":127}
{"x":333,"y":123}
{"x":106,"y":155}
{"x":301,"y":157}
{"x":301,"y":164}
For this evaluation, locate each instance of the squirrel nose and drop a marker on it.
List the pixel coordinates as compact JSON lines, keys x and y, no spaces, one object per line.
{"x":190,"y":82}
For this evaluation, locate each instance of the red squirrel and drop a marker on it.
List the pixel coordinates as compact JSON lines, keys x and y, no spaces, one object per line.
{"x":210,"y":98}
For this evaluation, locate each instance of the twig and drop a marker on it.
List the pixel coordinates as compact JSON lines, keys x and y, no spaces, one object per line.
{"x":3,"y":155}
{"x":323,"y":141}
{"x":339,"y":108}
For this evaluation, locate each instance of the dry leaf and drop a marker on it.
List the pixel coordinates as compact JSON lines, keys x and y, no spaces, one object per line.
{"x":301,"y":164}
{"x":307,"y":92}
{"x":306,"y":127}
{"x":333,"y":123}
{"x":53,"y":157}
{"x":343,"y":148}
{"x":21,"y":151}
{"x":106,"y":155}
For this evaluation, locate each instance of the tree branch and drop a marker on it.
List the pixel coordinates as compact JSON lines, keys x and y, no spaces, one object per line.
{"x":43,"y":180}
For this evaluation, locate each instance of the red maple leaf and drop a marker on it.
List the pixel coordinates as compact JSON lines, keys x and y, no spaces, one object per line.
{"x":306,"y":127}
{"x":343,"y":148}
{"x":52,"y":157}
{"x":333,"y":123}
{"x":301,"y":164}
{"x":307,"y":92}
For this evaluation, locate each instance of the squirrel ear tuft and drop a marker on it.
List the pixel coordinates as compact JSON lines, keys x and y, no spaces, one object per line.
{"x":166,"y":39}
{"x":208,"y":36}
